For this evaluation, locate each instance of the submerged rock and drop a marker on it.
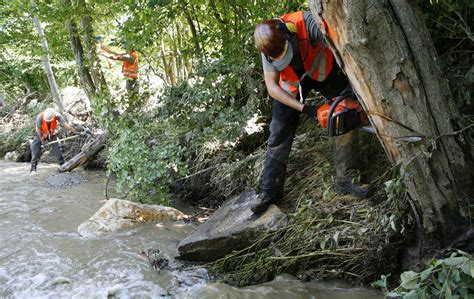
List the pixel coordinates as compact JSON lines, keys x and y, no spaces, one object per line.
{"x":65,"y":180}
{"x":232,"y":227}
{"x":117,"y":213}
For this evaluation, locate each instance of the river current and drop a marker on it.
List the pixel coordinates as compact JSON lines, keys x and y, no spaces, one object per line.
{"x":43,"y":256}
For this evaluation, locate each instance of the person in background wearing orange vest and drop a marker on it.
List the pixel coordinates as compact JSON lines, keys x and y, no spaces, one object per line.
{"x":296,"y":59}
{"x":46,"y":124}
{"x":129,"y":65}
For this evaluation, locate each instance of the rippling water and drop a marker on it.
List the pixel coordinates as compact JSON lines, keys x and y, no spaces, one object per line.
{"x":42,"y":255}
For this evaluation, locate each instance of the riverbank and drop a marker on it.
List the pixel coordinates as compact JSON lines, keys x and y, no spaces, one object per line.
{"x":309,"y":195}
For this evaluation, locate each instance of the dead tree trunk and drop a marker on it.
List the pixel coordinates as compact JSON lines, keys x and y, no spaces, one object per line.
{"x":89,"y":149}
{"x":385,"y":49}
{"x":47,"y":67}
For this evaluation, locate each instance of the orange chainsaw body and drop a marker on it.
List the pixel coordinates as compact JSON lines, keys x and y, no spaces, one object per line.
{"x":341,"y":115}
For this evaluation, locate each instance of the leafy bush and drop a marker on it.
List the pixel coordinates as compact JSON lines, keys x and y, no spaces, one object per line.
{"x":452,"y":277}
{"x":13,"y":140}
{"x":140,"y":162}
{"x":192,"y":120}
{"x":216,"y":101}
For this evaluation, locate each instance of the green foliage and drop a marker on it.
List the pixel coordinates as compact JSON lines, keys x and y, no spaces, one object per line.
{"x":452,"y":277}
{"x":215,"y":102}
{"x":394,"y":188}
{"x":143,"y":153}
{"x":150,"y":149}
{"x":13,"y":140}
{"x":450,"y":23}
{"x":203,"y":109}
{"x":141,"y":163}
{"x":17,"y":131}
{"x":22,"y":68}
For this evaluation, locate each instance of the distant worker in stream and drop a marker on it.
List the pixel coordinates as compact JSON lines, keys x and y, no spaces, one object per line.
{"x":45,"y":129}
{"x":297,"y":59}
{"x":129,"y":65}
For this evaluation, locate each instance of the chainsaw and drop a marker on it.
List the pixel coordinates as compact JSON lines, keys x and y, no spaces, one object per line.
{"x":343,"y":114}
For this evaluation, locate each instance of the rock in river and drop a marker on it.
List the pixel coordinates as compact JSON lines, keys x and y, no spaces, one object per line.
{"x":232,"y":227}
{"x":117,"y":213}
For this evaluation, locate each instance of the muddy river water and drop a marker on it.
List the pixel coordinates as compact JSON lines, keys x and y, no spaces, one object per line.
{"x":43,"y":256}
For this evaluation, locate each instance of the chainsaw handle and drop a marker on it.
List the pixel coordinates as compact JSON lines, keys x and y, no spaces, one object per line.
{"x":331,"y":111}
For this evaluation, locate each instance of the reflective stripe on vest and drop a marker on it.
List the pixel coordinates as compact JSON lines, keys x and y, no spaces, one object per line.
{"x":131,"y":70}
{"x":318,"y":61}
{"x":44,"y":126}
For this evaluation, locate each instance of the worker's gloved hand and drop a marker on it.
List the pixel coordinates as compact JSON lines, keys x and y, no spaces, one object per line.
{"x":45,"y":143}
{"x":310,"y":111}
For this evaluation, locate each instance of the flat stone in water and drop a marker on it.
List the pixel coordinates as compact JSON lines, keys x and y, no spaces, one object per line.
{"x":232,"y":227}
{"x":65,"y":180}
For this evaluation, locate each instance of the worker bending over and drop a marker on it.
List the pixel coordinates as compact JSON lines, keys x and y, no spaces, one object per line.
{"x":45,"y":129}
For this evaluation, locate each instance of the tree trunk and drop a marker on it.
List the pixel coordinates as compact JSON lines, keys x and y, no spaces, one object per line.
{"x":78,"y":50}
{"x":89,"y":149}
{"x":197,"y":46}
{"x":166,"y":65}
{"x":385,"y":49}
{"x":90,"y":46}
{"x":49,"y":71}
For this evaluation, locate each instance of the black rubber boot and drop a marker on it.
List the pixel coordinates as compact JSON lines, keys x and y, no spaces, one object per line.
{"x":271,"y":182}
{"x":33,"y":168}
{"x":347,"y":187}
{"x":347,"y":159}
{"x":262,"y":203}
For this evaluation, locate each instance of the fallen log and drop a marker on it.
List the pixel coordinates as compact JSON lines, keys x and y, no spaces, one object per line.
{"x":89,"y":149}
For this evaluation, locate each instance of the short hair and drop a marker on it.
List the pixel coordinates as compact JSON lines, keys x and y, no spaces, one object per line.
{"x":269,"y":38}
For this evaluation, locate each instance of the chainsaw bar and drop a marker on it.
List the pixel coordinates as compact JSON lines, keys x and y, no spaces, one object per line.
{"x":410,"y":139}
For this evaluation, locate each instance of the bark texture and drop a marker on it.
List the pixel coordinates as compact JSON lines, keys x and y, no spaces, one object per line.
{"x":386,"y":51}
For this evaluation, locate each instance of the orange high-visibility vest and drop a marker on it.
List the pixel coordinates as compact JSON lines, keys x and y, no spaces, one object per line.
{"x":44,"y":125}
{"x":131,"y":70}
{"x":317,"y":61}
